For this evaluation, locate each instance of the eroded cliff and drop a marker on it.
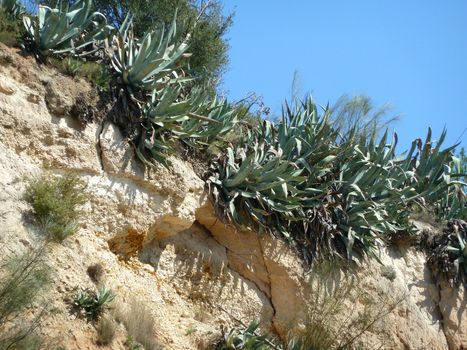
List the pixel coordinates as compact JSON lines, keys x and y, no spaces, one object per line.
{"x":158,"y":238}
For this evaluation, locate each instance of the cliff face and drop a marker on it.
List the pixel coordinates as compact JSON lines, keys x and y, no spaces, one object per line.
{"x":159,"y":240}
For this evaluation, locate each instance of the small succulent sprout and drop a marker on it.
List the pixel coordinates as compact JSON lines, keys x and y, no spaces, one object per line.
{"x":93,"y":304}
{"x":247,"y":338}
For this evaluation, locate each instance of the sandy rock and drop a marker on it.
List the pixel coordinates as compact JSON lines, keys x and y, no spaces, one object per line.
{"x":6,"y":89}
{"x":453,"y":308}
{"x":61,"y":95}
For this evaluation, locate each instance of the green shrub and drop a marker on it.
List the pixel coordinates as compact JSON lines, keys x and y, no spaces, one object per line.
{"x":23,"y":278}
{"x":97,"y":73}
{"x":11,"y":8}
{"x":92,"y":304}
{"x":55,"y":202}
{"x":133,"y":345}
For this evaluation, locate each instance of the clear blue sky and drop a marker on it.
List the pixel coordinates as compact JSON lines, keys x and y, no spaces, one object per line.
{"x":411,"y":53}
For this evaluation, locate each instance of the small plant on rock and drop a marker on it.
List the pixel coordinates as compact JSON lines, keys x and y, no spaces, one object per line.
{"x":92,"y":303}
{"x":55,"y":202}
{"x":245,"y":339}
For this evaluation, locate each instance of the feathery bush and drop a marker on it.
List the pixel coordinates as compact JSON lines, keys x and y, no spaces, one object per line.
{"x":106,"y":328}
{"x":23,"y":278}
{"x":341,"y":310}
{"x":55,"y":202}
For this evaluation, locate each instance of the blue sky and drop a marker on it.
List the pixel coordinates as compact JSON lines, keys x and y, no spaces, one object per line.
{"x":412,"y":54}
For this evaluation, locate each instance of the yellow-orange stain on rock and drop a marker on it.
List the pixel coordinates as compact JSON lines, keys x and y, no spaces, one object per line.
{"x":127,"y":245}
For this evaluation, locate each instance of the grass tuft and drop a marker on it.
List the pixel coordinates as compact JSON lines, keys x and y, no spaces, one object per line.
{"x":140,"y":325}
{"x":105,"y":331}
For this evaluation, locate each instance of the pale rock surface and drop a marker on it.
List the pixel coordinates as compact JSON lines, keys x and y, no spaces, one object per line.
{"x":157,"y":236}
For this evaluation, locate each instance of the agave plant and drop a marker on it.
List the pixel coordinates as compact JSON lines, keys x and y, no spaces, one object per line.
{"x":12,"y":8}
{"x":149,"y":63}
{"x":436,"y":176}
{"x":246,"y":339}
{"x":329,"y":194}
{"x":94,"y":303}
{"x":459,"y":249}
{"x":67,"y":29}
{"x":256,"y":187}
{"x":294,"y":180}
{"x":447,"y":252}
{"x":196,"y":120}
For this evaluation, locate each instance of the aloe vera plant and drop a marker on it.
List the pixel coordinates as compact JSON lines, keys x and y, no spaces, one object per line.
{"x":67,"y":29}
